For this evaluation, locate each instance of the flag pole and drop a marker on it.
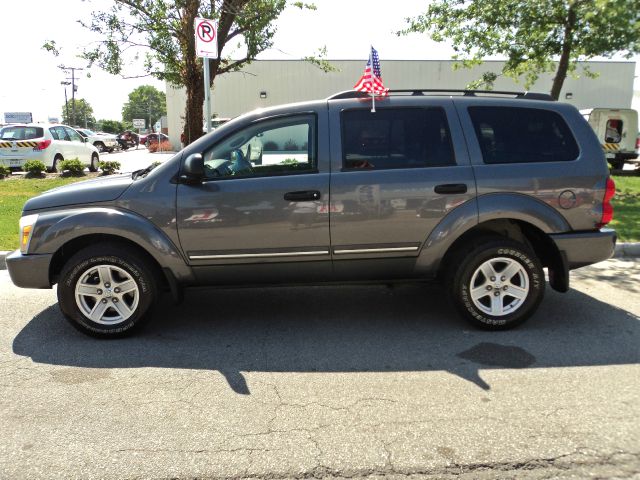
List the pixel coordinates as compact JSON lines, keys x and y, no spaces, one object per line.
{"x":373,"y":94}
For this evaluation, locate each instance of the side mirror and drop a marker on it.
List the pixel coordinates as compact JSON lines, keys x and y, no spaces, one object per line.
{"x":193,"y":169}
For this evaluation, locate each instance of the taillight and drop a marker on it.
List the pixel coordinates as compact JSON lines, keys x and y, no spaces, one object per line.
{"x":638,"y":144}
{"x":42,"y":144}
{"x":607,"y":208}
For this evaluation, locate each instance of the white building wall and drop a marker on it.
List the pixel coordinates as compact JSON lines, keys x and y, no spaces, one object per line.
{"x":286,"y":81}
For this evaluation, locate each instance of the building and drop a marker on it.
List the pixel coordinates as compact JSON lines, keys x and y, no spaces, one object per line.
{"x":272,"y":82}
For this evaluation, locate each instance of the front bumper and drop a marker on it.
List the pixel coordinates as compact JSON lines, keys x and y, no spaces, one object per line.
{"x":29,"y":271}
{"x":585,"y":248}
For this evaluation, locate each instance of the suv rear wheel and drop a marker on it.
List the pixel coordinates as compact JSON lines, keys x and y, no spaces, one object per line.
{"x":497,"y":283}
{"x":106,"y":290}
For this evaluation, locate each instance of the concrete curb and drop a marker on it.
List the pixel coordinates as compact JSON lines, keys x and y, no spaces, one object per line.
{"x":623,"y":250}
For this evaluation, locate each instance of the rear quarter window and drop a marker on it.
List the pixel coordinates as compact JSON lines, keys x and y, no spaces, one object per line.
{"x":522,"y":135}
{"x":21,"y":133}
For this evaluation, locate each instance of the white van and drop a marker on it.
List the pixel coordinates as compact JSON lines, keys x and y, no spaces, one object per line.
{"x":617,"y":130}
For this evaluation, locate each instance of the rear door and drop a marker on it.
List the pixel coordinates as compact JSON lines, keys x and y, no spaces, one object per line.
{"x":396,"y":173}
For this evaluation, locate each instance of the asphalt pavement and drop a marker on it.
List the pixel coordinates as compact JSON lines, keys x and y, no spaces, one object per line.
{"x":135,"y":158}
{"x":335,"y":381}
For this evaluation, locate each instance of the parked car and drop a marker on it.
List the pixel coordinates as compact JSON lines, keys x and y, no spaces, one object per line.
{"x":152,"y":138}
{"x":103,"y":142}
{"x":479,"y":191}
{"x":49,"y":143}
{"x":617,"y":131}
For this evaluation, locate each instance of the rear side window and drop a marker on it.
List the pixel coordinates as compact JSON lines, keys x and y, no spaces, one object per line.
{"x":614,"y":131}
{"x":396,"y":138}
{"x":522,"y":135}
{"x":21,"y":133}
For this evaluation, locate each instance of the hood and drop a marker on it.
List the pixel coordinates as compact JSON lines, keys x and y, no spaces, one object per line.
{"x":85,"y":193}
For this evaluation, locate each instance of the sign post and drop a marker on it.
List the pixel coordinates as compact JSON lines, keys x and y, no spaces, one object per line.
{"x":206,"y":47}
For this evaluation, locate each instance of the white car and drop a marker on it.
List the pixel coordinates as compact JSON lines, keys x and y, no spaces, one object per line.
{"x":104,"y":142}
{"x":47,"y":142}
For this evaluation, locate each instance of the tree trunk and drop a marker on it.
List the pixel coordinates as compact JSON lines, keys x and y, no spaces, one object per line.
{"x":563,"y":64}
{"x":193,"y":78}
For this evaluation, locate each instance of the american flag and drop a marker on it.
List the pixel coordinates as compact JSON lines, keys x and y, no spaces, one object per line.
{"x":371,"y":81}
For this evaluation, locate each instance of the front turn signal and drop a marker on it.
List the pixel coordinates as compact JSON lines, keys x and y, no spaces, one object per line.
{"x":26,"y":229}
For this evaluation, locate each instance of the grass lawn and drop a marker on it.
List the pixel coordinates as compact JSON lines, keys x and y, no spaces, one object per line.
{"x":13,"y":194}
{"x":626,"y":209}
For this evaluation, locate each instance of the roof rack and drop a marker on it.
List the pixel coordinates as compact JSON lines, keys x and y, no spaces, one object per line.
{"x":446,"y":91}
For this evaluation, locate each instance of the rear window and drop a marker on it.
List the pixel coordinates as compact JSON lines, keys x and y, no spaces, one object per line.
{"x":396,"y":138}
{"x":21,"y":133}
{"x":522,"y":135}
{"x":614,"y":131}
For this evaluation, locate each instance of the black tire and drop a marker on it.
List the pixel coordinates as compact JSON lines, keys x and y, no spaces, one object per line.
{"x":95,"y":160}
{"x":56,"y":160}
{"x":465,"y":275}
{"x":124,"y":265}
{"x":616,"y":164}
{"x":100,"y":146}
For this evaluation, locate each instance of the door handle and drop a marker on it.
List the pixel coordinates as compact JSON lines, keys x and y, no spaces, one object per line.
{"x":448,"y":188}
{"x":305,"y":195}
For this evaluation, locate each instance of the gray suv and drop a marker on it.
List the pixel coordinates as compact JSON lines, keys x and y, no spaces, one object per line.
{"x":479,"y":190}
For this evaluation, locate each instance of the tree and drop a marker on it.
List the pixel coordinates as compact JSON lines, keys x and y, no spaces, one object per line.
{"x":145,"y":102}
{"x":533,"y":33}
{"x":164,"y":29}
{"x":110,"y":126}
{"x":84,"y":113}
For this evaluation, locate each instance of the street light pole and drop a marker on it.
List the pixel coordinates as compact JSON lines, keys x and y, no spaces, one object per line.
{"x":73,"y":90}
{"x":66,"y":103}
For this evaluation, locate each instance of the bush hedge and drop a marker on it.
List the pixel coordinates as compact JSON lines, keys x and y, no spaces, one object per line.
{"x":109,"y":167}
{"x":71,"y":167}
{"x":4,"y":171}
{"x":34,"y":167}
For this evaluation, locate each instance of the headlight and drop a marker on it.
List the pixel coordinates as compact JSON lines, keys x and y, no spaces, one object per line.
{"x":27,"y":223}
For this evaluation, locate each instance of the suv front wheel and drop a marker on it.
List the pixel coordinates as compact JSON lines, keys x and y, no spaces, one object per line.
{"x":496,"y":284}
{"x":106,"y":290}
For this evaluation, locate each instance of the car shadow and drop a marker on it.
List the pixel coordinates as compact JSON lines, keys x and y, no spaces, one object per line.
{"x":342,"y":329}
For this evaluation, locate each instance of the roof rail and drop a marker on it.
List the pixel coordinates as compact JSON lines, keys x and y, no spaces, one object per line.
{"x":446,"y":91}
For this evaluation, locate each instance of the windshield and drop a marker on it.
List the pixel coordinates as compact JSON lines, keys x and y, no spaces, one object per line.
{"x":86,"y":131}
{"x":21,"y":133}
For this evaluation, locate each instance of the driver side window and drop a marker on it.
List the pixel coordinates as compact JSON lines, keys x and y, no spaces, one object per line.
{"x":281,"y":146}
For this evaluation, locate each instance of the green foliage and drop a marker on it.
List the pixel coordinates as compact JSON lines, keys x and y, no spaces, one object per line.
{"x":110,"y":126}
{"x":145,"y":102}
{"x":109,"y":167}
{"x":320,"y":61}
{"x":34,"y":167}
{"x":532,"y":34}
{"x":83,"y":111}
{"x":4,"y":171}
{"x":13,"y":194}
{"x":270,"y":146}
{"x":626,"y":209}
{"x":72,"y":167}
{"x":159,"y":34}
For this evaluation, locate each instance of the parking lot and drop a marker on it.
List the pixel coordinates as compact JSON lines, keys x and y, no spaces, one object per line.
{"x":342,"y":381}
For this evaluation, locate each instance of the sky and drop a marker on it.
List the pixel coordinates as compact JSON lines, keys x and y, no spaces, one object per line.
{"x":30,"y":79}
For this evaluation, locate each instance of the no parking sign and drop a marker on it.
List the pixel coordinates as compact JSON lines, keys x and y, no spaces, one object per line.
{"x":206,"y":41}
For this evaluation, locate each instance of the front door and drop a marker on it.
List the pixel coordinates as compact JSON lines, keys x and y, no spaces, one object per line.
{"x":258,"y":216}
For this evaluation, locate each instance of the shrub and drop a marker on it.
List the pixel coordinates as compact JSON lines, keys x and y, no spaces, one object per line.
{"x":109,"y":167}
{"x":270,"y":146}
{"x":164,"y":146}
{"x":72,"y":167}
{"x":4,"y":171}
{"x":34,"y":168}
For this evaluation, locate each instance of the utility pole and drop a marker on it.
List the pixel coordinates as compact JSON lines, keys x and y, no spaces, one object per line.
{"x":73,"y":90}
{"x":66,"y":104}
